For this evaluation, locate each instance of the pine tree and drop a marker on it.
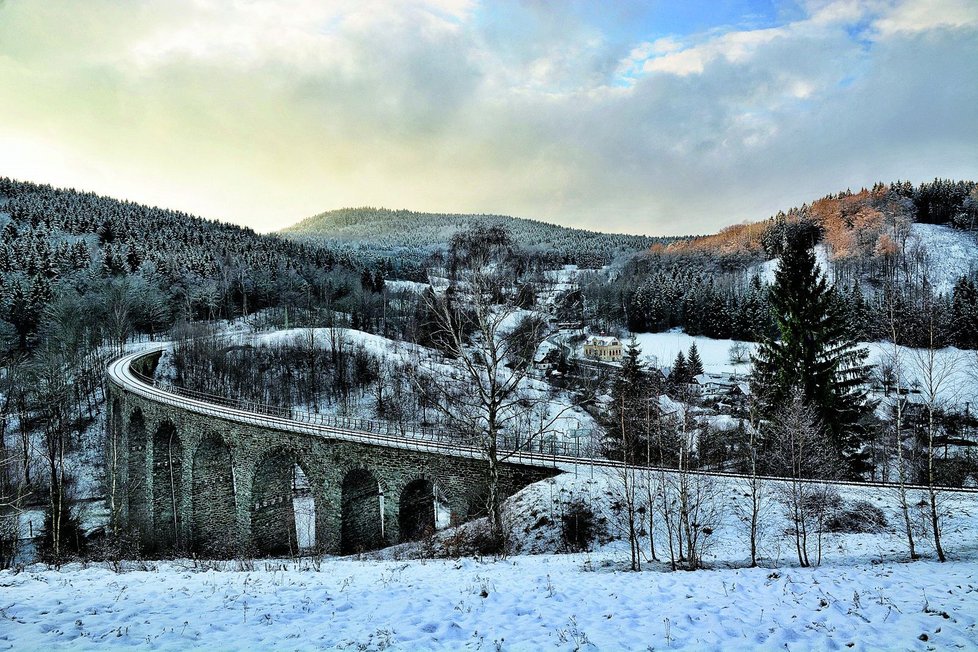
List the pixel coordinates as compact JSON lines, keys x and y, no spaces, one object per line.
{"x":680,"y":370}
{"x":815,"y":352}
{"x":859,"y":313}
{"x":964,"y":314}
{"x":694,"y":362}
{"x":629,"y":418}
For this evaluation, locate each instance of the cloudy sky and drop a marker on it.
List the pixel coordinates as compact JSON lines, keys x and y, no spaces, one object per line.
{"x":659,"y":117}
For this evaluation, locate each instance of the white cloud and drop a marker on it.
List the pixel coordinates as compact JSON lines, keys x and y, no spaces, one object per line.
{"x":264,"y":112}
{"x":914,"y":16}
{"x":735,"y":47}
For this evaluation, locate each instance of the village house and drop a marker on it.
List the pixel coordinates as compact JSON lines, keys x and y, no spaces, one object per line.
{"x":604,"y":348}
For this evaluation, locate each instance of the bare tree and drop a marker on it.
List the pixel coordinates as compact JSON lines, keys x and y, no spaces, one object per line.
{"x":801,"y":456}
{"x":51,"y":382}
{"x":894,"y":363}
{"x":121,"y":302}
{"x":687,"y":499}
{"x":751,"y":446}
{"x":627,"y":477}
{"x":696,"y":496}
{"x":936,"y":373}
{"x":482,"y":387}
{"x":13,"y":495}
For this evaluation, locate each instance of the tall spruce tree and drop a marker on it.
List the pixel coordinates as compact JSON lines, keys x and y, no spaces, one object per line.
{"x":680,"y":369}
{"x":814,"y":351}
{"x":630,"y":416}
{"x":693,"y":362}
{"x":964,"y":314}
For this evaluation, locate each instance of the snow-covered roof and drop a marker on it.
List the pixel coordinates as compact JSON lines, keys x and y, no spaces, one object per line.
{"x":602,"y":340}
{"x":723,"y":380}
{"x":544,"y":350}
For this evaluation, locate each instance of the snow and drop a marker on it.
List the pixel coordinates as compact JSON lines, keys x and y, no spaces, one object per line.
{"x":409,"y":286}
{"x":960,"y":385}
{"x":660,"y":350}
{"x":951,"y":253}
{"x":768,"y":269}
{"x":375,"y":344}
{"x":956,"y":369}
{"x":861,"y":595}
{"x":523,"y":604}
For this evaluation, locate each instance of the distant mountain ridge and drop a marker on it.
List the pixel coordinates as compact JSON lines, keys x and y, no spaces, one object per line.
{"x":392,"y":231}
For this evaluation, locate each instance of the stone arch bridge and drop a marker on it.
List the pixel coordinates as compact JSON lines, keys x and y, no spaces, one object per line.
{"x":194,"y":474}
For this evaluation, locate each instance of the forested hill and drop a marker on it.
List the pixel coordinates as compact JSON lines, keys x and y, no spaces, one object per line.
{"x":855,"y":225}
{"x":893,"y":249}
{"x":388,"y":232}
{"x":60,"y":247}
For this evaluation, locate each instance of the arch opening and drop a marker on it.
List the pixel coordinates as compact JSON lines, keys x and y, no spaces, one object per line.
{"x":167,"y":485}
{"x":416,"y":510}
{"x":283,"y":506}
{"x":362,"y":513}
{"x":213,"y":499}
{"x":304,"y":508}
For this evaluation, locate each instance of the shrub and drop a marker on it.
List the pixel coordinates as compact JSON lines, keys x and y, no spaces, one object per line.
{"x":856,"y":518}
{"x":578,"y":528}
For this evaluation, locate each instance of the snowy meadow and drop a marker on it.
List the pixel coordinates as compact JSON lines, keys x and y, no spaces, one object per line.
{"x":865,"y":594}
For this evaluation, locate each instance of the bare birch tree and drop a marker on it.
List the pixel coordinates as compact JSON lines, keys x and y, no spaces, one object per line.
{"x":801,"y":455}
{"x":756,"y":492}
{"x":936,"y":372}
{"x":481,"y":389}
{"x":894,"y":360}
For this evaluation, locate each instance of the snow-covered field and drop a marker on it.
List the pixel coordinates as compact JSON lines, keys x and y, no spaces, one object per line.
{"x":660,"y":350}
{"x":527,"y":603}
{"x":863,"y":596}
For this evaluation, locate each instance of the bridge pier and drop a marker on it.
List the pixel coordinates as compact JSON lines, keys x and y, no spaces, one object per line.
{"x":191,"y":440}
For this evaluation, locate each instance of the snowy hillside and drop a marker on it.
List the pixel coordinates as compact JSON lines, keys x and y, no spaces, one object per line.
{"x":951,"y":253}
{"x":410,"y":232}
{"x":768,"y":269}
{"x":396,"y":355}
{"x":948,"y":254}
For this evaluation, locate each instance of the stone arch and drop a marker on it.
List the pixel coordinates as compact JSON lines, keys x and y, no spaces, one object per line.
{"x":282,"y":500}
{"x":137,"y":484}
{"x":416,"y":510}
{"x":362,"y":512}
{"x":213,"y":498}
{"x":167,"y":485}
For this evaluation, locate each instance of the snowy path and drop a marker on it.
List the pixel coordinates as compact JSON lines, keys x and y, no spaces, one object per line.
{"x":528,"y":603}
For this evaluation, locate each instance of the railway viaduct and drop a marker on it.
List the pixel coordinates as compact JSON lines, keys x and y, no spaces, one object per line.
{"x":196,"y":475}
